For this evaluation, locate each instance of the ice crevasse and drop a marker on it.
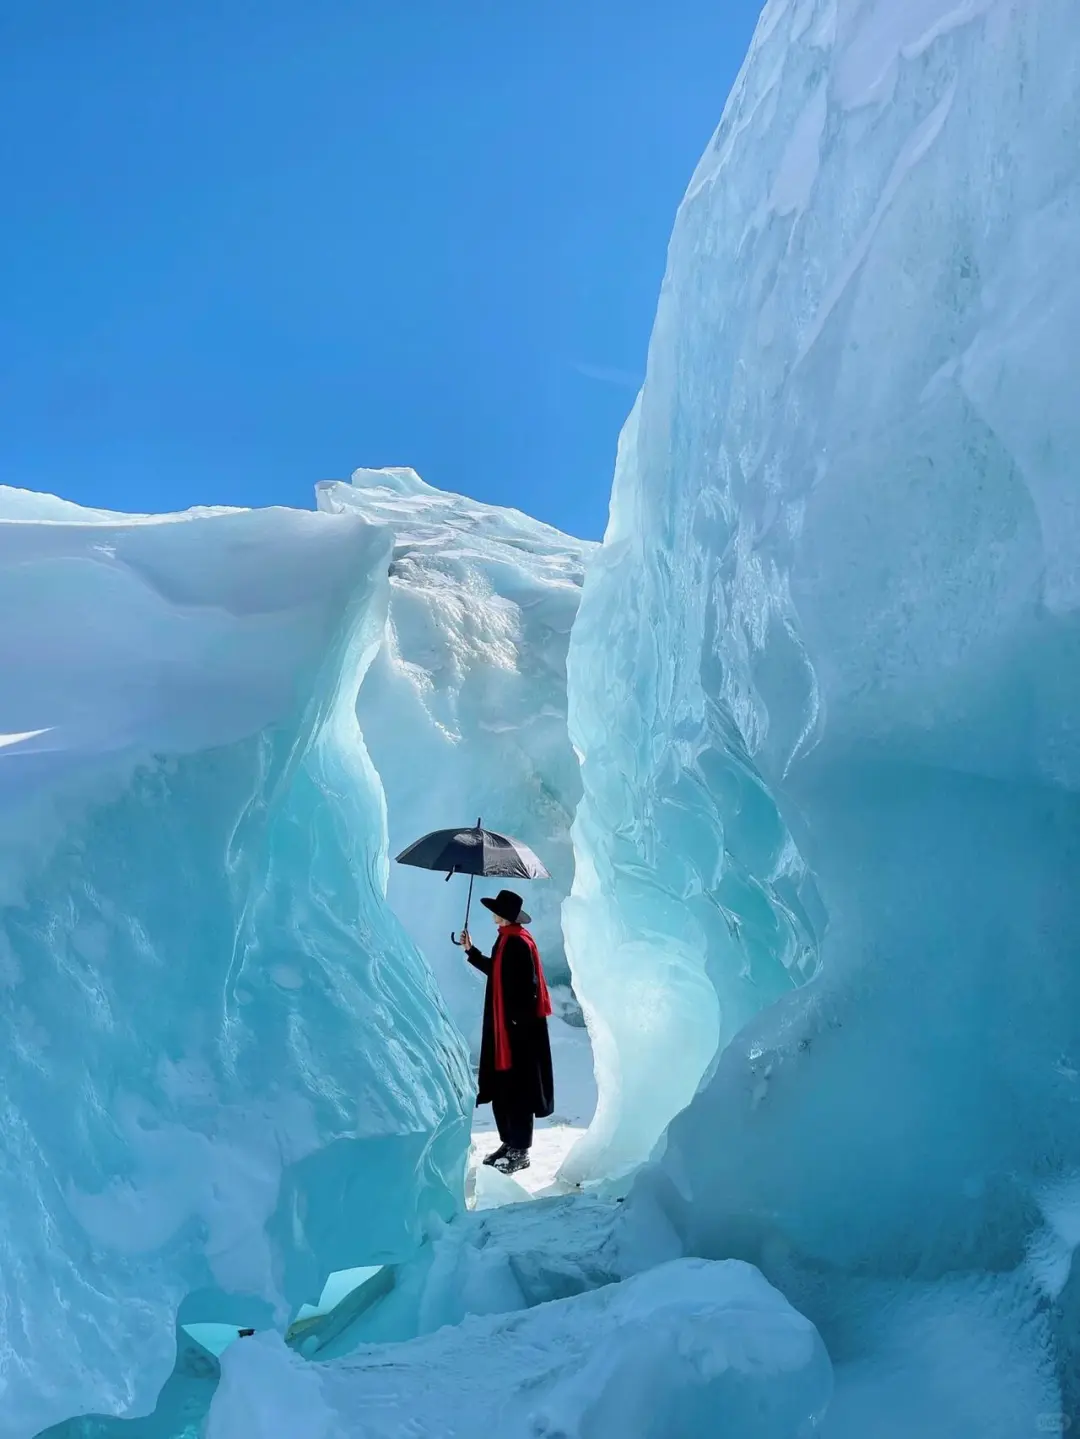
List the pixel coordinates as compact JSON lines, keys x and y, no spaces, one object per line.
{"x":822,"y":682}
{"x":823,"y":685}
{"x":463,"y":707}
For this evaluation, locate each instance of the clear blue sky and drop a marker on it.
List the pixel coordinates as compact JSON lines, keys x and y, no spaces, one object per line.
{"x":250,"y":244}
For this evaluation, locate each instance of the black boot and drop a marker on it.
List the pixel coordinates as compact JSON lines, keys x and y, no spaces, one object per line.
{"x":496,"y":1154}
{"x":512,"y":1161}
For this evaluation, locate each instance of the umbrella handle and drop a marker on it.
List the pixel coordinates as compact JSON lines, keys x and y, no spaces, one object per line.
{"x":468,"y":906}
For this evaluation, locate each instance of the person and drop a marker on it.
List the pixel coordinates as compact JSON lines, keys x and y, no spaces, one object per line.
{"x":515,"y":1076}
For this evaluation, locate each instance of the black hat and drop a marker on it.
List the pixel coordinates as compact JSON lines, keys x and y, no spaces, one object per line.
{"x":507,"y":905}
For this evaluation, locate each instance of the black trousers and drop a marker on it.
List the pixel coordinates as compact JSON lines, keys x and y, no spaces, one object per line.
{"x":513,"y":1114}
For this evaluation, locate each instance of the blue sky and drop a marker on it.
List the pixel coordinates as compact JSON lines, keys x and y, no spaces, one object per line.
{"x":251,"y":244}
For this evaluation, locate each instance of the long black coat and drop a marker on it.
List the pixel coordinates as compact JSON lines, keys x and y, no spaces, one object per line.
{"x":529,"y":1080}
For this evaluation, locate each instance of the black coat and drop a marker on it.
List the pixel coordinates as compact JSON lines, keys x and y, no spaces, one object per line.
{"x":529,"y":1078}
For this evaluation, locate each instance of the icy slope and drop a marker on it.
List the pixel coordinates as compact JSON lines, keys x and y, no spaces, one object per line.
{"x":830,"y":645}
{"x":688,"y":1349}
{"x":464,"y":707}
{"x":225,"y":1069}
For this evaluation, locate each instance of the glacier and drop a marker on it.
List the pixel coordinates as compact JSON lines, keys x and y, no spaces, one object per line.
{"x":824,"y":684}
{"x":226,"y":1069}
{"x":821,"y":919}
{"x":821,"y":686}
{"x":463,"y":707}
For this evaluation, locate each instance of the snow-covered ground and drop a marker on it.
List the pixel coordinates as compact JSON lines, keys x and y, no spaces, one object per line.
{"x":688,"y":1348}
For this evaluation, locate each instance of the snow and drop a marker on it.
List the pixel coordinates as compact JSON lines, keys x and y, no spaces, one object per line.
{"x":794,"y":183}
{"x":685,"y":1349}
{"x":882,"y":35}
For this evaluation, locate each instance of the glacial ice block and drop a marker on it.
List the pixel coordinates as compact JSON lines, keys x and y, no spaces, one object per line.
{"x":687,"y":1350}
{"x":464,"y":707}
{"x":830,"y":646}
{"x":225,"y":1069}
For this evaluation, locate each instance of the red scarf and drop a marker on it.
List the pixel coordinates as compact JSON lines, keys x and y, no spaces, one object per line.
{"x":503,"y":1058}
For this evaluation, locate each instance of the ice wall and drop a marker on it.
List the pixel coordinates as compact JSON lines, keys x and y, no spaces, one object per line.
{"x":692,"y":906}
{"x":225,"y":1069}
{"x":833,"y":633}
{"x":464,"y":707}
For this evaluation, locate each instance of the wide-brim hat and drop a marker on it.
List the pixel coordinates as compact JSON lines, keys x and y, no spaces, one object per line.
{"x":507,"y":905}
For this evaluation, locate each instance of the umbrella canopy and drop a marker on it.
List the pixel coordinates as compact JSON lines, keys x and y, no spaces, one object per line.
{"x":476,"y":852}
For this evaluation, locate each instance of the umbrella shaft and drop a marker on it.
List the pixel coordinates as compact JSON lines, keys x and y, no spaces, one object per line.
{"x":468,"y":902}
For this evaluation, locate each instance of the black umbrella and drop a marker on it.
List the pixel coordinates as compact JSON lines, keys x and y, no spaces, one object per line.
{"x":473,"y":852}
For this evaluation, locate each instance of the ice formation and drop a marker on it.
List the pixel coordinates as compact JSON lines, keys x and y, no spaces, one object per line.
{"x":824,"y":919}
{"x":686,"y":1349}
{"x":226,"y":1070}
{"x":825,"y":683}
{"x":464,"y":707}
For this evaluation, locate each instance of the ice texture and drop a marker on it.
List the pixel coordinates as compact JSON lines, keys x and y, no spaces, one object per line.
{"x":464,"y":707}
{"x":514,"y":1255}
{"x":687,"y":1349}
{"x":225,"y":1069}
{"x":825,"y":683}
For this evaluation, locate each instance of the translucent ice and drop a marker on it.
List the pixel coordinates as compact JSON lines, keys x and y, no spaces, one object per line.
{"x":464,"y":707}
{"x":825,"y":682}
{"x":824,"y":921}
{"x":225,"y":1069}
{"x":691,"y":906}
